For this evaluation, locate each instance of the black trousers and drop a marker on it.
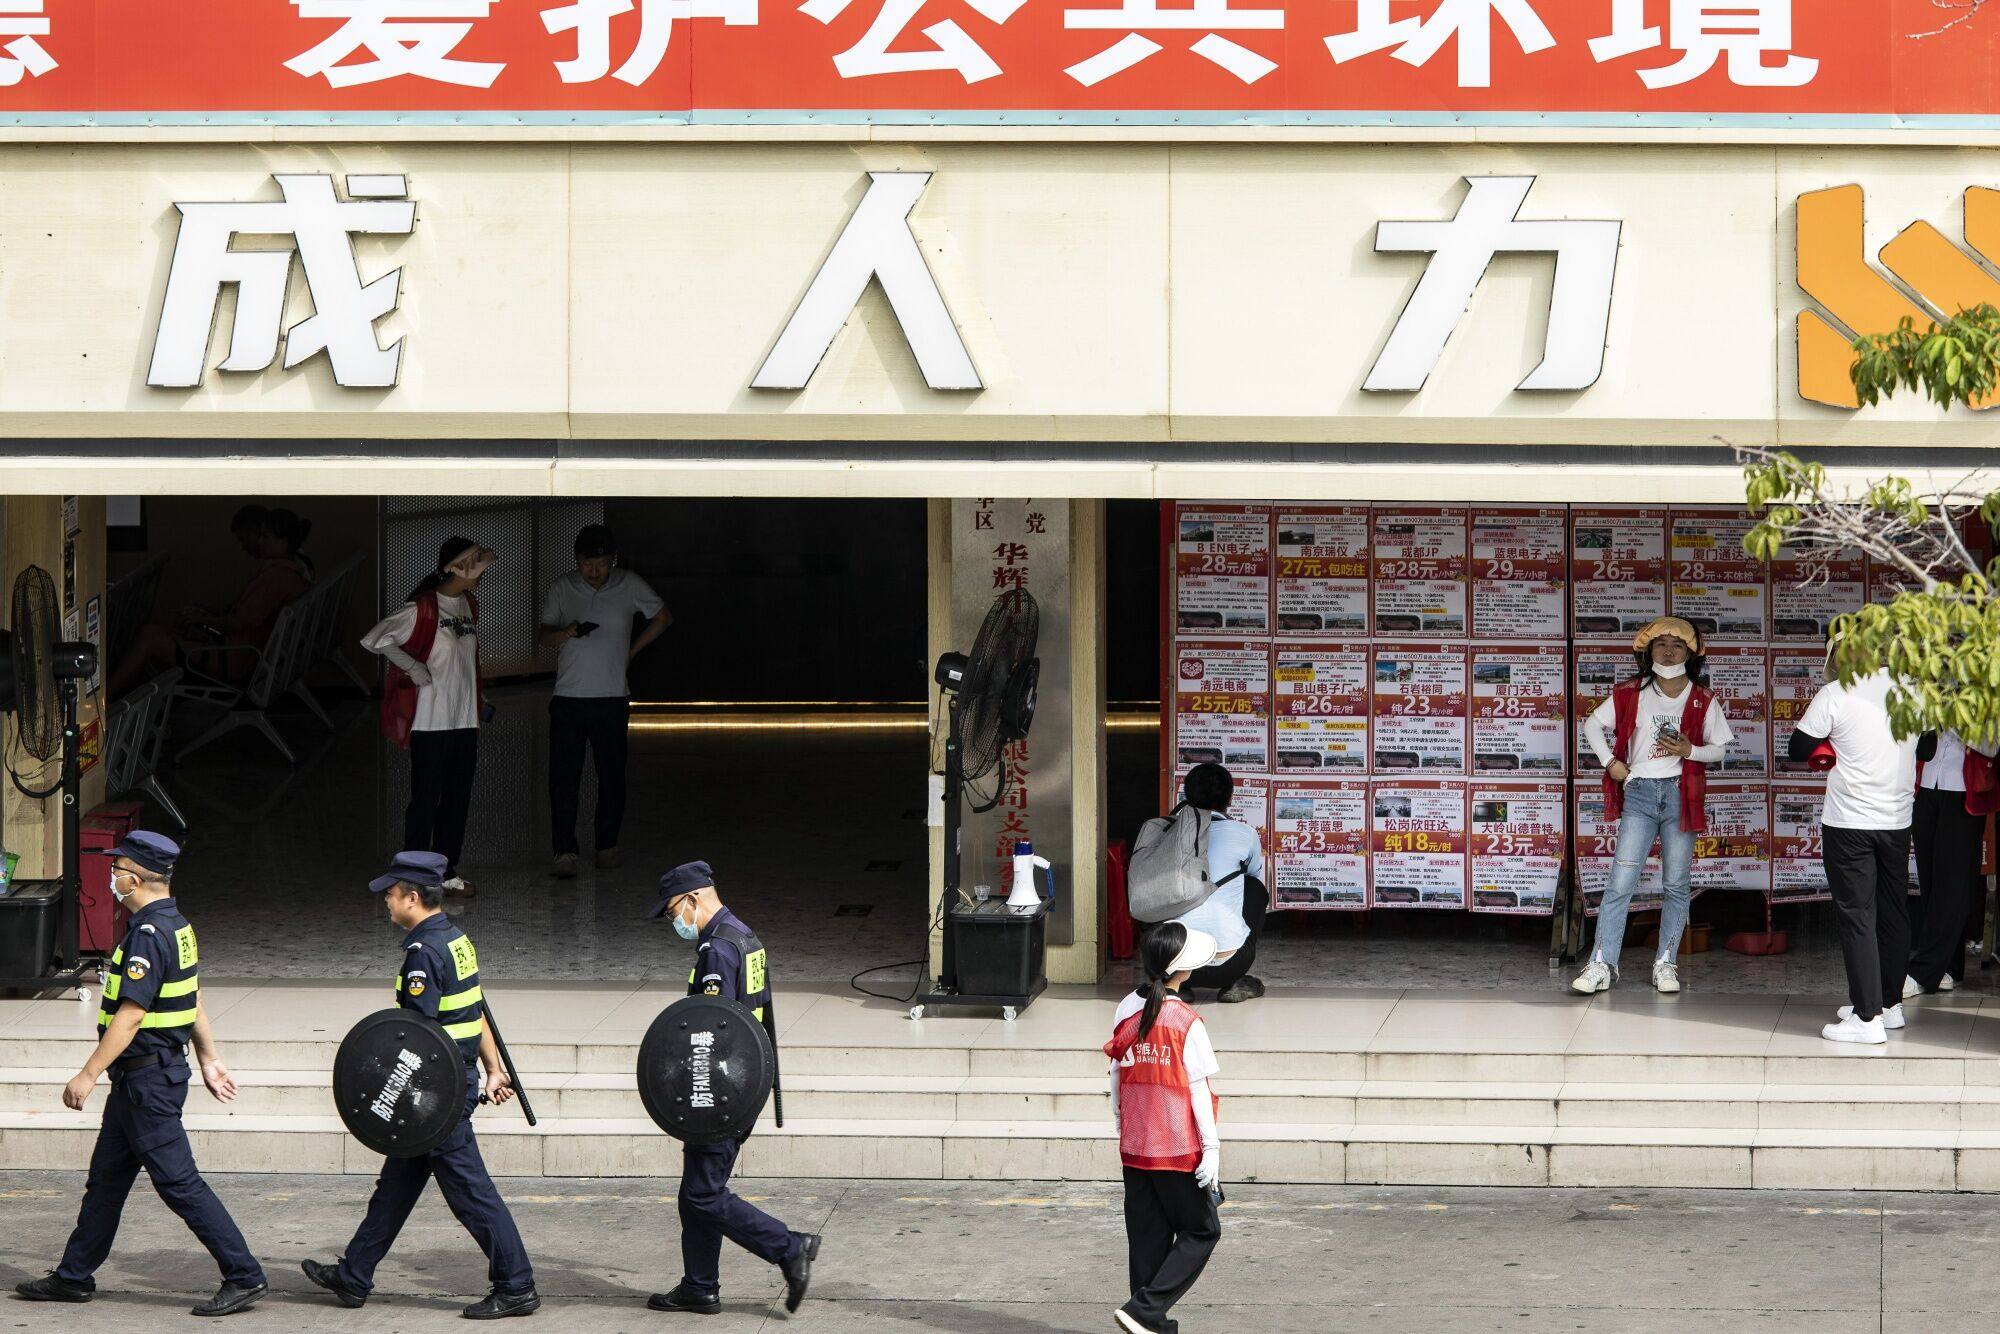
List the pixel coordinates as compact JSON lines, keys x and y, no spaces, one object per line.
{"x":601,"y":725}
{"x":710,"y":1211}
{"x":441,"y":769}
{"x":1222,"y":976}
{"x":1868,"y":871}
{"x":1171,"y":1228}
{"x":1947,"y":845}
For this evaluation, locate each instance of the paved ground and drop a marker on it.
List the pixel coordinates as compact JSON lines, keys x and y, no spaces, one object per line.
{"x":1019,"y":1258}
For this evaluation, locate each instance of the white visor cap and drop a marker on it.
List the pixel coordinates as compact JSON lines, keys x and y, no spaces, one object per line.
{"x":1199,"y":952}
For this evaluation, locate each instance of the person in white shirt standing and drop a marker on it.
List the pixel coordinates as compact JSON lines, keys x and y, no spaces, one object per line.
{"x":1656,"y":787}
{"x":1956,"y":791}
{"x":1865,"y":845}
{"x":588,"y":615}
{"x":431,"y":700}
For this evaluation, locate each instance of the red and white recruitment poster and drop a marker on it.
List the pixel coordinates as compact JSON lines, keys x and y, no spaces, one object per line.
{"x":1718,"y":587}
{"x":1809,"y":589}
{"x":1319,"y":828}
{"x":1420,"y":565}
{"x":1517,"y":845}
{"x":1597,"y":672}
{"x":1735,"y":853}
{"x":1222,"y":569}
{"x":1419,"y":841}
{"x":1597,"y":848}
{"x":1617,"y":570}
{"x":1250,"y":803}
{"x":1323,"y":570}
{"x":1321,"y":703}
{"x":1517,"y":709}
{"x":1797,"y":873}
{"x":1222,"y":705}
{"x":1738,"y":676}
{"x":1420,"y":709}
{"x":1519,"y":573}
{"x":1795,"y":679}
{"x":1885,"y":580}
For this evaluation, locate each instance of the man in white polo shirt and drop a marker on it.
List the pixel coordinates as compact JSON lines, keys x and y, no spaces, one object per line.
{"x":1865,"y":845}
{"x":588,"y":614}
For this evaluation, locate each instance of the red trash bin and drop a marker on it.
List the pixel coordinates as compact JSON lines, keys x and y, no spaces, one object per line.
{"x":1121,"y":937}
{"x":100,"y":922}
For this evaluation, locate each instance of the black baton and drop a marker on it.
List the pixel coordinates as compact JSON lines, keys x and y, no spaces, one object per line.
{"x":507,"y":1059}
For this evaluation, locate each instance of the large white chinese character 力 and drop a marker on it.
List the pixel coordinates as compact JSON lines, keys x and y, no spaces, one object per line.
{"x":24,"y":21}
{"x":1211,"y":16}
{"x":1418,"y":39}
{"x":952,"y":48}
{"x":1705,"y":30}
{"x":590,"y":20}
{"x":322,"y":227}
{"x":413,"y":37}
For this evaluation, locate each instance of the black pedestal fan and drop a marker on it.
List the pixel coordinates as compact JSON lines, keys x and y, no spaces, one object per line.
{"x":40,"y":679}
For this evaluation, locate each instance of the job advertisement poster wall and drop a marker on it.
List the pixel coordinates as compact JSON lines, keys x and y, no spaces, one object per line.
{"x":1810,"y":588}
{"x":1519,"y":569}
{"x":1618,"y":569}
{"x":1595,"y":673}
{"x":1321,"y":694}
{"x":1222,"y":705}
{"x":1250,"y":803}
{"x":1420,"y":567}
{"x":1797,"y":873}
{"x":1737,"y":675}
{"x":1517,"y":836}
{"x":1717,"y":587}
{"x":1420,"y":708}
{"x":1735,"y":853}
{"x":1323,"y":570}
{"x":1419,"y":843}
{"x":1319,"y":830}
{"x":1222,"y":569}
{"x":1795,"y":679}
{"x":1517,"y":708}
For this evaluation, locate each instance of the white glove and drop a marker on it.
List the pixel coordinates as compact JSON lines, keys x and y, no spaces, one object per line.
{"x":1210,"y":1172}
{"x":419,"y":673}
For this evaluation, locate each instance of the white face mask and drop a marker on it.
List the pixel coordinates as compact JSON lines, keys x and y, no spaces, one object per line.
{"x":1670,"y":670}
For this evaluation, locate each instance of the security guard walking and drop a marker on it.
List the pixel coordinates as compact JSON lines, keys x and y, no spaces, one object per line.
{"x":729,"y":961}
{"x":151,"y":1010}
{"x":440,"y":980}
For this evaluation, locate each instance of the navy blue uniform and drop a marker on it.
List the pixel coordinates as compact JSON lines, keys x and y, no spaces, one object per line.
{"x":440,"y":979}
{"x":728,"y":962}
{"x":157,"y":968}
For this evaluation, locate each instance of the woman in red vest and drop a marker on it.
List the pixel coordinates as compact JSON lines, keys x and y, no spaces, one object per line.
{"x":1957,"y":788}
{"x":1656,"y":787}
{"x":1164,"y":1108}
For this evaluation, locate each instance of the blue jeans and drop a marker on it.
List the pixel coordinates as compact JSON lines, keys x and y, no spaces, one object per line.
{"x":1652,"y":810}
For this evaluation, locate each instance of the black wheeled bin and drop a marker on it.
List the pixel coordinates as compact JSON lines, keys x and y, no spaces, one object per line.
{"x":28,"y":917}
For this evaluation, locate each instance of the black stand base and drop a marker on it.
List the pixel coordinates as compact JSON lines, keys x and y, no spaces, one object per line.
{"x":1009,"y":1006}
{"x":59,"y":981}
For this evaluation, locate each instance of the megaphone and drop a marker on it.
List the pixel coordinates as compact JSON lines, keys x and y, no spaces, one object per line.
{"x":1024,"y":894}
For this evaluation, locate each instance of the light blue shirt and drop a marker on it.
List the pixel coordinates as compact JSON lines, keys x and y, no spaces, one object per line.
{"x":1232,"y":846}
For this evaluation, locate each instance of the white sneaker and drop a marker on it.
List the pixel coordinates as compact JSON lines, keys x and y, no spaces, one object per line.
{"x":1851,"y":1029}
{"x":1912,"y":988}
{"x":1891,"y":1017}
{"x":1595,"y":977}
{"x":1946,"y":984}
{"x":1666,"y":977}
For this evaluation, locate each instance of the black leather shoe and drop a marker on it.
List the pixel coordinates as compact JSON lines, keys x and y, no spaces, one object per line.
{"x":680,"y":1299}
{"x":49,"y":1288}
{"x":231,"y":1298}
{"x":1256,"y":985}
{"x":328,"y":1277}
{"x":1237,"y":993}
{"x":498,"y":1305}
{"x":799,"y":1270}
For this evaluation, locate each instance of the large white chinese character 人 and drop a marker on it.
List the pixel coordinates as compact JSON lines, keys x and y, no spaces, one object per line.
{"x":23,"y":21}
{"x":413,"y":37}
{"x":1418,"y":39}
{"x":590,"y":20}
{"x":1211,"y":17}
{"x":952,"y":48}
{"x":1705,"y":30}
{"x":322,"y":227}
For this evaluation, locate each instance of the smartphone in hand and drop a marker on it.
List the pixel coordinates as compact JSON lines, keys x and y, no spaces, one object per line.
{"x":583,"y":629}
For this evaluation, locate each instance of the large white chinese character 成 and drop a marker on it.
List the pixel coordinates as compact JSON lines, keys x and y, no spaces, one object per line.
{"x":1212,"y":17}
{"x":952,"y":48}
{"x":413,"y":37}
{"x":590,"y":20}
{"x":1705,"y":30}
{"x":24,"y":21}
{"x":1418,"y":39}
{"x":322,"y":227}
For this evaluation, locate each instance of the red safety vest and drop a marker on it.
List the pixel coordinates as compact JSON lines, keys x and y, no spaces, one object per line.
{"x":1982,"y":783}
{"x":1694,"y":777}
{"x":1157,"y":1131}
{"x":399,"y":692}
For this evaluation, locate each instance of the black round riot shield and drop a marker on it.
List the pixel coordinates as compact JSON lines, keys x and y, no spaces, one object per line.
{"x":399,"y":1083}
{"x":705,"y":1068}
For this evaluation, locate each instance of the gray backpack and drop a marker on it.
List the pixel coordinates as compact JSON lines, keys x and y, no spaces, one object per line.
{"x":1168,"y":874}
